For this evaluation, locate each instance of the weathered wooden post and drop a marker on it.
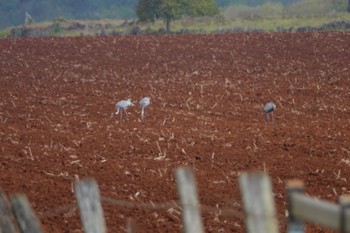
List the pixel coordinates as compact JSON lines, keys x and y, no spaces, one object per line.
{"x":294,"y":225}
{"x":27,"y":221}
{"x":258,"y":202}
{"x":130,"y":228}
{"x":344,"y":225}
{"x":89,"y":202}
{"x":187,"y":190}
{"x":7,"y":222}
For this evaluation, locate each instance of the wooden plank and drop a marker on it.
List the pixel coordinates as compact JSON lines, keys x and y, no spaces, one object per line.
{"x":294,"y":225}
{"x":27,"y":221}
{"x":191,"y":214}
{"x":89,"y":202}
{"x":318,"y":211}
{"x":258,"y":203}
{"x":7,"y":222}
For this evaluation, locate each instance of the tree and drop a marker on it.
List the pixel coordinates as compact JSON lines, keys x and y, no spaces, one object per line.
{"x":148,"y":10}
{"x":169,"y":10}
{"x":201,"y":7}
{"x":349,"y":6}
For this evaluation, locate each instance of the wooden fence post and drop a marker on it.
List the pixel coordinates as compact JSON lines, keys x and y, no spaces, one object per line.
{"x":294,"y":225}
{"x":7,"y":223}
{"x":344,"y":202}
{"x":187,"y":190}
{"x":130,"y":228}
{"x":258,"y":202}
{"x":27,"y":221}
{"x":89,"y":202}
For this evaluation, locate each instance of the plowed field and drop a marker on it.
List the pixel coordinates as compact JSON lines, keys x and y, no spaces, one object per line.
{"x":207,"y":93}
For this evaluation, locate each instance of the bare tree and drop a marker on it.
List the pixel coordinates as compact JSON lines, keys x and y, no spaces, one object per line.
{"x":28,"y":18}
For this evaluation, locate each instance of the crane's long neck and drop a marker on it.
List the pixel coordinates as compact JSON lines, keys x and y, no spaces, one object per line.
{"x":117,"y":110}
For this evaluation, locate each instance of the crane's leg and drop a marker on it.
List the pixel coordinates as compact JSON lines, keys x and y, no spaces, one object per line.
{"x":126,"y":114}
{"x":273,"y":120}
{"x":267,"y":117}
{"x":116,"y":113}
{"x":142,"y":115}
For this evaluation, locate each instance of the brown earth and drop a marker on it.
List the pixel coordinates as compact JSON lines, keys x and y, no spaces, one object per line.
{"x":207,"y":93}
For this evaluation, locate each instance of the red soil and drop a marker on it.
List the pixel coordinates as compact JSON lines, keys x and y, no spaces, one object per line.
{"x":207,"y":93}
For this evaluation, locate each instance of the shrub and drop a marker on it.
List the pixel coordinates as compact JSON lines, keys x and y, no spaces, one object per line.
{"x":309,"y":8}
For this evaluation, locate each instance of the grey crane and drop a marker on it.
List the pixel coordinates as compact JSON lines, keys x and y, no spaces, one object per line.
{"x":144,"y":103}
{"x":268,"y":110}
{"x":122,"y":106}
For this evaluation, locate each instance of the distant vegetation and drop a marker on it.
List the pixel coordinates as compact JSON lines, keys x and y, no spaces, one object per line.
{"x":12,"y":12}
{"x":277,"y":15}
{"x":169,"y":10}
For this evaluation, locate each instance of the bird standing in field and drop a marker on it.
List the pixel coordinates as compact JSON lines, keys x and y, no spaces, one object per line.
{"x":268,"y":110}
{"x":122,"y":106}
{"x":144,"y":103}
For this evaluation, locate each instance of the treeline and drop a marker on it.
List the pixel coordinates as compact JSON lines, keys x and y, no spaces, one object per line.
{"x":12,"y":12}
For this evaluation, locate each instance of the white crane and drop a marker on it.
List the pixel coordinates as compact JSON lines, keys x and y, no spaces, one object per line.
{"x":122,"y":106}
{"x":144,"y":103}
{"x":268,"y":110}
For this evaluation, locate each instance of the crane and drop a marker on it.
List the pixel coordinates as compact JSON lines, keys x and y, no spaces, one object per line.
{"x":122,"y":106}
{"x":268,"y":110}
{"x":144,"y":103}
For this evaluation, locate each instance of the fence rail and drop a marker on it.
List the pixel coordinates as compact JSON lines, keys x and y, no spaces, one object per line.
{"x":16,"y":214}
{"x":303,"y":208}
